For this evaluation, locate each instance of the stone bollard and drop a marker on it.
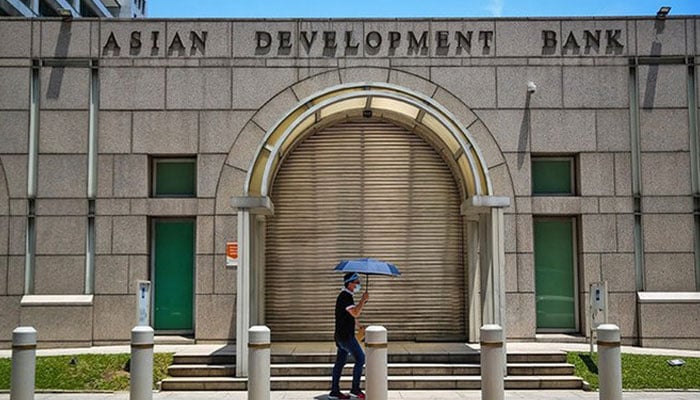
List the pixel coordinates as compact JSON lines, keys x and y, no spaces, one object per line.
{"x":609,"y":363}
{"x":23,"y":363}
{"x":141,"y":363}
{"x":259,"y":363}
{"x":492,"y":367}
{"x":377,"y":384}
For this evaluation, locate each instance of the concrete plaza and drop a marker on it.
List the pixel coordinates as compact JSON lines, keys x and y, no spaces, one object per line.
{"x":393,"y":394}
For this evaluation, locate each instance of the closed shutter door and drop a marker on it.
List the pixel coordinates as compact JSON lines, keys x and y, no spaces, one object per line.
{"x":365,"y":189}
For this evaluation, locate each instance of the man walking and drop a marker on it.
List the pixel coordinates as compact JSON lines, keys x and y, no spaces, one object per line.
{"x":346,"y":313}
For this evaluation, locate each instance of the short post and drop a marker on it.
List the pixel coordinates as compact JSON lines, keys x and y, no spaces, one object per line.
{"x":259,"y":363}
{"x":492,"y":363}
{"x":609,"y":363}
{"x":141,"y":363}
{"x":376,"y":371}
{"x":23,"y":363}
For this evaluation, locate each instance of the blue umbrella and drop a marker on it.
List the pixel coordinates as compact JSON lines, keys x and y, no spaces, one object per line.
{"x":368,"y":266}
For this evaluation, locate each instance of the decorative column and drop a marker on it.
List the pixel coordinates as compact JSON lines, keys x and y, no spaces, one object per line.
{"x":243,"y":292}
{"x":473,"y":295}
{"x":488,"y":236}
{"x":249,"y":262}
{"x":493,"y":265}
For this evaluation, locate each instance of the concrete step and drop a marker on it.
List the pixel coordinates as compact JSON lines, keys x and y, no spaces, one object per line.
{"x":202,"y":370}
{"x":521,"y":369}
{"x":203,"y":383}
{"x":173,"y":339}
{"x":322,"y":383}
{"x":318,"y":358}
{"x":204,"y":359}
{"x":398,"y":369}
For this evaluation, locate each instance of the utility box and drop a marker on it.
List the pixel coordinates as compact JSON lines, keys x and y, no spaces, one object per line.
{"x":143,"y":303}
{"x":598,"y":307}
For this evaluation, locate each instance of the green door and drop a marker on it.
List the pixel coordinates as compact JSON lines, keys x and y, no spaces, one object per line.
{"x":555,"y":284}
{"x":173,"y":275}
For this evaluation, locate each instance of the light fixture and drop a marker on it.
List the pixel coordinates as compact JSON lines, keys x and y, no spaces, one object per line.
{"x":531,"y":87}
{"x":65,"y":13}
{"x":663,"y":12}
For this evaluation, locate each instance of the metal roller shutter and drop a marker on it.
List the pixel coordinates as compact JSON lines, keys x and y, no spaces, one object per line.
{"x":365,"y":188}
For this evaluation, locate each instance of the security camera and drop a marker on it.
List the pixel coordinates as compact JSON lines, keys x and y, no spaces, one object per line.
{"x":531,"y":87}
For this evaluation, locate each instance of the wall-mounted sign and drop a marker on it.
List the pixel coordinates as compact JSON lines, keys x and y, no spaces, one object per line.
{"x":407,"y":39}
{"x":231,"y":254}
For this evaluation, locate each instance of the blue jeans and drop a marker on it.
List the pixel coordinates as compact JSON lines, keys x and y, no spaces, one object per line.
{"x":345,"y":346}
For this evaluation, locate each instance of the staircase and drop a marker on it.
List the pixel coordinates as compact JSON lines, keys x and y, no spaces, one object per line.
{"x":407,"y":370}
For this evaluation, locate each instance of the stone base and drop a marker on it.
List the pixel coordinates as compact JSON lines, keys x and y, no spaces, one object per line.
{"x":669,"y":319}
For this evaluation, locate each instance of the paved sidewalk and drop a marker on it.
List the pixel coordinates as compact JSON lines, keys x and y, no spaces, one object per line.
{"x":393,"y":395}
{"x":284,"y":348}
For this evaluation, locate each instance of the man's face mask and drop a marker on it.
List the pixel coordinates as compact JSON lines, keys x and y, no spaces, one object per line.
{"x":357,"y":288}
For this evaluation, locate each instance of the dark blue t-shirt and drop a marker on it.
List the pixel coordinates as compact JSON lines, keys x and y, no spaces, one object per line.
{"x":344,"y":321}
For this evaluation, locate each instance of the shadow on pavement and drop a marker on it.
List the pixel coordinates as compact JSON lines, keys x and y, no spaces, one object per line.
{"x":589,"y":363}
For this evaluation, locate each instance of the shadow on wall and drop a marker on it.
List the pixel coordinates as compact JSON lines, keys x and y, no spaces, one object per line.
{"x":524,"y":131}
{"x":4,"y":193}
{"x":653,"y":74}
{"x":61,"y":51}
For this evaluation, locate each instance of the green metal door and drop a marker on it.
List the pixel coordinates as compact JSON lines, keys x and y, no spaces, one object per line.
{"x":555,"y":283}
{"x":173,"y":275}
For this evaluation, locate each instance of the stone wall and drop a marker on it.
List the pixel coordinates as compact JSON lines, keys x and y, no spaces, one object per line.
{"x":166,"y":93}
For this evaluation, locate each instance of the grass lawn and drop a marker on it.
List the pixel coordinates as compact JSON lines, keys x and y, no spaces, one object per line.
{"x":642,"y":371}
{"x":87,"y":372}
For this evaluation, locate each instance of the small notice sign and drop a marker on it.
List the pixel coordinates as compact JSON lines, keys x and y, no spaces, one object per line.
{"x":232,"y":254}
{"x":143,"y":303}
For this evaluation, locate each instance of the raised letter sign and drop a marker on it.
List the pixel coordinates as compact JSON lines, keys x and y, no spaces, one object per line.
{"x":176,"y":45}
{"x":550,"y":39}
{"x":394,"y":39}
{"x":464,"y":41}
{"x":375,"y":37}
{"x":441,"y":38}
{"x":571,"y":42}
{"x":285,"y":38}
{"x":306,"y":41}
{"x":418,"y":45}
{"x":263,"y":40}
{"x":348,"y":41}
{"x":612,"y":36}
{"x":486,"y":37}
{"x":198,"y":43}
{"x":111,"y":45}
{"x":592,"y":39}
{"x":329,"y":40}
{"x":135,"y":44}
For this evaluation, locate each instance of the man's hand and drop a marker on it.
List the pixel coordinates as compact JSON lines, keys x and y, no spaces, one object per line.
{"x":355,"y":311}
{"x":365,"y":297}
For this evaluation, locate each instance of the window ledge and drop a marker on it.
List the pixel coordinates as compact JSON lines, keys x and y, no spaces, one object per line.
{"x":57,"y":300}
{"x":668,"y":297}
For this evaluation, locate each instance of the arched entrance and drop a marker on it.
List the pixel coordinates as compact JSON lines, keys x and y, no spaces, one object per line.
{"x":481,"y":212}
{"x":365,"y":188}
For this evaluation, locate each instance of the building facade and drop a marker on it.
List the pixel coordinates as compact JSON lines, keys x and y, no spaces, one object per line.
{"x":504,"y":165}
{"x":73,"y":8}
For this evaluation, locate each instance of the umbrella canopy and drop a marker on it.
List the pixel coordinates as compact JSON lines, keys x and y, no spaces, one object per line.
{"x":368,"y":266}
